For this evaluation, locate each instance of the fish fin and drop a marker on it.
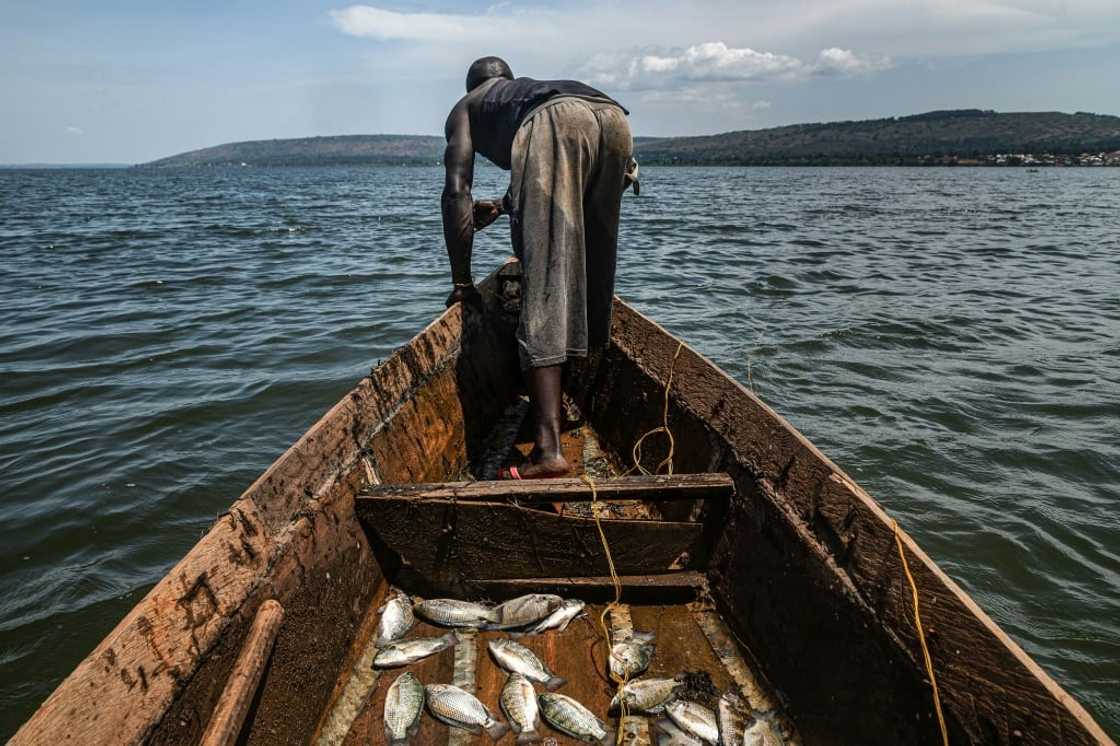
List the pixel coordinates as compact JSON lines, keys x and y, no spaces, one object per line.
{"x":497,"y":730}
{"x":643,"y":636}
{"x":555,"y":683}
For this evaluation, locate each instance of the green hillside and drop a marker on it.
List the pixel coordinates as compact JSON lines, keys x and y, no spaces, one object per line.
{"x":923,"y":138}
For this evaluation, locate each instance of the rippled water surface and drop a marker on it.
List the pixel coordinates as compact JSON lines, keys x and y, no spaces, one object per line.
{"x":951,"y":337}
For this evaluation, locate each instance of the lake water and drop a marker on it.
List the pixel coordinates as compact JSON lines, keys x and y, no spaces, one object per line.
{"x":950,"y":337}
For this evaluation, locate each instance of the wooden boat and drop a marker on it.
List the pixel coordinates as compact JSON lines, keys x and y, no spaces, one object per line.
{"x":761,"y":564}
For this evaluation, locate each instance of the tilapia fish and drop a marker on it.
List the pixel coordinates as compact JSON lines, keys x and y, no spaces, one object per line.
{"x":569,"y":716}
{"x":516,"y":658}
{"x":559,"y":619}
{"x":631,"y":655}
{"x":668,"y":734}
{"x":647,"y":696}
{"x":733,"y":717}
{"x":761,"y":733}
{"x":519,"y":703}
{"x":461,"y":709}
{"x":525,"y":610}
{"x":450,"y":612}
{"x":694,"y":719}
{"x":403,"y":703}
{"x":396,"y":618}
{"x":409,"y":651}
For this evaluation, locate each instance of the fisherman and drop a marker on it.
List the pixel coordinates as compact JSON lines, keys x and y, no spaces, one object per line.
{"x":569,"y":152}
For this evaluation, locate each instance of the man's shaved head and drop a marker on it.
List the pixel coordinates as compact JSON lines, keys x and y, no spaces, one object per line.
{"x":481,"y":70}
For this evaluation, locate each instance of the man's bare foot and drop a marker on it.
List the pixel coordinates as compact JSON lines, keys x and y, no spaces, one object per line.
{"x":547,"y":468}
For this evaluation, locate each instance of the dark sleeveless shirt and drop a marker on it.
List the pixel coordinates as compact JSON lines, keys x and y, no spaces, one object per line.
{"x":506,"y":103}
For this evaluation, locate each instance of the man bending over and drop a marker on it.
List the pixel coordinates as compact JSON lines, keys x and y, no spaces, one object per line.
{"x":568,"y":149}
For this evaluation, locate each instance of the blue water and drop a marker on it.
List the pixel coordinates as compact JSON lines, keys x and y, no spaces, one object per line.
{"x":950,"y":337}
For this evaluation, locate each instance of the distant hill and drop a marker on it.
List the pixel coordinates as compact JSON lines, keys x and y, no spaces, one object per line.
{"x":966,"y":133}
{"x":316,"y":151}
{"x":922,"y":138}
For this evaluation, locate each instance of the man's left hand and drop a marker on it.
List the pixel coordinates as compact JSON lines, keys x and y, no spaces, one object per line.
{"x":468,"y":295}
{"x":486,"y":211}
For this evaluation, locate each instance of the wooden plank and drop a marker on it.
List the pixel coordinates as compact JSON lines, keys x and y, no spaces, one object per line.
{"x":447,"y":541}
{"x":465,"y":677}
{"x":677,"y":587}
{"x":229,"y":713}
{"x":569,"y":489}
{"x":803,"y":543}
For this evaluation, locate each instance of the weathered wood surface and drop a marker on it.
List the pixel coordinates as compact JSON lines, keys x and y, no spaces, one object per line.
{"x":567,"y":489}
{"x":291,"y":536}
{"x":808,"y":572}
{"x":447,"y":541}
{"x":229,"y":714}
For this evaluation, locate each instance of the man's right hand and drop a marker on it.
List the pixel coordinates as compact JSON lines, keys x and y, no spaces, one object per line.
{"x":486,"y":211}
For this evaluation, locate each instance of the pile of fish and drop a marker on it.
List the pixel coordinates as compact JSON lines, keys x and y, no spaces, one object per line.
{"x":684,"y":722}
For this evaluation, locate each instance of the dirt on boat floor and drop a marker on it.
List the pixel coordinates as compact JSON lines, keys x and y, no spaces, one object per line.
{"x":689,"y":638}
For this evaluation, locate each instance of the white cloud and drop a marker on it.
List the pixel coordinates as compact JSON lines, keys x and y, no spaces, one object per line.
{"x":715,"y":62}
{"x":532,"y":34}
{"x":440,"y":28}
{"x":72,"y":130}
{"x":844,"y":61}
{"x":761,"y":105}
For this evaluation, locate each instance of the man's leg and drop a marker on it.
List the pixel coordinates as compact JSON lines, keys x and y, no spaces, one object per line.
{"x":551,"y":160}
{"x":545,"y":394}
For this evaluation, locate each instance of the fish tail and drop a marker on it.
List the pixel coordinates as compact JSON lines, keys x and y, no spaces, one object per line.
{"x":452,"y":638}
{"x":497,"y":730}
{"x":528,"y":736}
{"x":555,"y":683}
{"x":610,"y":738}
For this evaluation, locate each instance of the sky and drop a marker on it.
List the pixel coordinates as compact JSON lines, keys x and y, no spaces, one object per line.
{"x":129,"y":81}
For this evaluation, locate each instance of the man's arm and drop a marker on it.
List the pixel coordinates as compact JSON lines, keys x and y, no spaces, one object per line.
{"x":456,"y":202}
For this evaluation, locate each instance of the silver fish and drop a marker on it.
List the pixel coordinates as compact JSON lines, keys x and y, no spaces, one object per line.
{"x":733,"y":718}
{"x":516,"y":658}
{"x":559,"y":619}
{"x":647,"y":696}
{"x":451,"y":612}
{"x":568,"y":716}
{"x":630,"y":656}
{"x":403,"y":704}
{"x":519,"y":703}
{"x":526,"y":610}
{"x":396,"y":618}
{"x":668,"y":734}
{"x":761,"y":733}
{"x":461,"y":709}
{"x":694,"y":719}
{"x":409,"y":651}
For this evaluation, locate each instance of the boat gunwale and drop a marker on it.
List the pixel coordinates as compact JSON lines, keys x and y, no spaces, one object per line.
{"x":775,"y":486}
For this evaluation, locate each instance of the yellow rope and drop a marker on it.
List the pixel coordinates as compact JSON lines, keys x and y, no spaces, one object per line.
{"x":922,"y":637}
{"x":636,"y":454}
{"x":617,"y":583}
{"x":636,"y":451}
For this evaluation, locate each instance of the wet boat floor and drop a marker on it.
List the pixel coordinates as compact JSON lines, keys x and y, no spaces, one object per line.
{"x":688,"y":637}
